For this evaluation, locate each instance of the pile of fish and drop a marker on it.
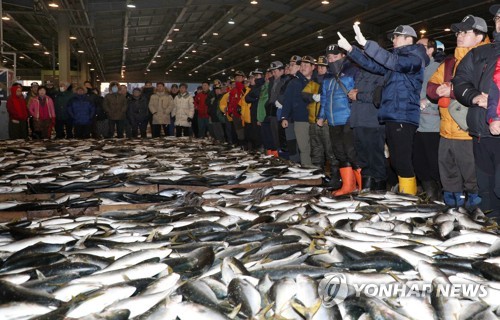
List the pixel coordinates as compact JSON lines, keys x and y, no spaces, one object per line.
{"x":253,"y":254}
{"x":267,"y":253}
{"x":86,"y":165}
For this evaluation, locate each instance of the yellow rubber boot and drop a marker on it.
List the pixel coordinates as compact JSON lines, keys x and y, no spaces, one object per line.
{"x":408,"y":185}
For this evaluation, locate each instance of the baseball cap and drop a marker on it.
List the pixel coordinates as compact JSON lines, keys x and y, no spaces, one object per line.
{"x":403,"y":30}
{"x":470,"y":22}
{"x":308,"y":59}
{"x":34,"y":84}
{"x":276,"y":65}
{"x":495,"y":9}
{"x":333,"y":49}
{"x":322,"y":61}
{"x":239,"y":73}
{"x":217,"y":86}
{"x":296,"y":59}
{"x":258,"y":71}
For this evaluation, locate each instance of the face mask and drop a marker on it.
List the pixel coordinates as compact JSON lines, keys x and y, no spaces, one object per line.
{"x":114,"y":89}
{"x":62,"y":89}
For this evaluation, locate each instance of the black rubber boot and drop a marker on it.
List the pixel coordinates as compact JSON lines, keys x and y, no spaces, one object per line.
{"x":367,"y":183}
{"x":334,"y":182}
{"x":379,"y":185}
{"x":431,"y":189}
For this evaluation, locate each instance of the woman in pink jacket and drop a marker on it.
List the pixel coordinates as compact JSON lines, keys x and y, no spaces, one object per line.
{"x":42,"y":110}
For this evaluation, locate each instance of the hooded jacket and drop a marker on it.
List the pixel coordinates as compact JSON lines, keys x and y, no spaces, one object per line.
{"x":200,"y":104}
{"x":403,"y":71}
{"x":115,"y":105}
{"x":473,"y":76}
{"x":81,"y":110}
{"x":16,"y":106}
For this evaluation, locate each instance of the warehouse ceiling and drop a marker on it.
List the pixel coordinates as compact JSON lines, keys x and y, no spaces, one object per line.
{"x":191,"y":40}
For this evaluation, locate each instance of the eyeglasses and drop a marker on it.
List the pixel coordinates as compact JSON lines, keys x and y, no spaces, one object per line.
{"x":496,"y":18}
{"x":463,"y":33}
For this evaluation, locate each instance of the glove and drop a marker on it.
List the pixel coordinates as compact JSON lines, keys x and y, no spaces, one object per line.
{"x":343,"y":43}
{"x":316,"y":97}
{"x":189,"y":119}
{"x":359,"y":36}
{"x":278,"y":104}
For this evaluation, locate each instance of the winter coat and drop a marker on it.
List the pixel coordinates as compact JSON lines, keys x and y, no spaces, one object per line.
{"x":363,"y":111}
{"x":137,"y":110}
{"x":263,"y":98}
{"x":233,"y":106}
{"x":473,"y":76}
{"x":200,"y":104}
{"x":161,"y":106}
{"x":246,"y":117}
{"x":61,"y":104}
{"x":313,"y":107}
{"x":213,"y":108}
{"x":252,"y":97}
{"x":37,"y":113}
{"x":81,"y":110}
{"x":449,"y":128}
{"x":294,"y":104}
{"x":115,"y":106}
{"x":403,"y":71}
{"x":16,"y":106}
{"x":494,"y":95}
{"x":429,"y":116}
{"x":335,"y":105}
{"x":183,"y":109}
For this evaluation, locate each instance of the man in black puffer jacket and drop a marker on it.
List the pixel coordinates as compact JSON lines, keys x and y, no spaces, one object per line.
{"x":471,"y":83}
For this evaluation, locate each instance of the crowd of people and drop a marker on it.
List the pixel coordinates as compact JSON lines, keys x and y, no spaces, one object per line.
{"x":371,"y":117}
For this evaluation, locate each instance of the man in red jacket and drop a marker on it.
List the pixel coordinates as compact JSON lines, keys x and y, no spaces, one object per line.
{"x":200,"y":105}
{"x":233,"y":108}
{"x":18,"y":113}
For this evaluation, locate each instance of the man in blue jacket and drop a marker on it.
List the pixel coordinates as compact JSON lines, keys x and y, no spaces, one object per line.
{"x":403,"y":71}
{"x":82,"y":111}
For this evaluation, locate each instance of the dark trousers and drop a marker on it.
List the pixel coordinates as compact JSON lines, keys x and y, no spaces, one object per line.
{"x":18,"y":130}
{"x":369,"y":145}
{"x":140,"y":126}
{"x":217,"y":131}
{"x":64,"y":129}
{"x":202,"y":127}
{"x":182,"y":131}
{"x":252,"y":132}
{"x":321,"y":146}
{"x":269,"y":130}
{"x":156,"y":130}
{"x":425,"y":156}
{"x":487,"y":159}
{"x":82,"y":131}
{"x":399,"y":137}
{"x":119,"y":124}
{"x":291,"y":142}
{"x":342,"y":138}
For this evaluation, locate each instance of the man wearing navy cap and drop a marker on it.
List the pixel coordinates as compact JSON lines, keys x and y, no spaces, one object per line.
{"x":252,"y":129}
{"x":471,"y":84}
{"x":403,"y":69}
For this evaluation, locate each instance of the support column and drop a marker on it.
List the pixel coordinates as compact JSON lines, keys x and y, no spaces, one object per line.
{"x":84,"y":69}
{"x":64,"y":50}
